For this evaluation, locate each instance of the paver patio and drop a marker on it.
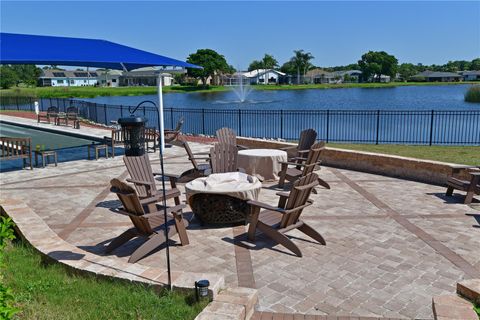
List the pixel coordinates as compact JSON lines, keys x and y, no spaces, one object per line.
{"x":391,"y":244}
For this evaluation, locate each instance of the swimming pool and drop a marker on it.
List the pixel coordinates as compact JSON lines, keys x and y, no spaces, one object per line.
{"x":43,"y":139}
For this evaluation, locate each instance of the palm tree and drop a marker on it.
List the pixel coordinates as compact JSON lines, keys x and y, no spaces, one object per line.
{"x":301,"y":61}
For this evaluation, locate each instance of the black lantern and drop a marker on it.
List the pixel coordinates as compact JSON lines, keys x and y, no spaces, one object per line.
{"x":133,"y":131}
{"x":201,"y":289}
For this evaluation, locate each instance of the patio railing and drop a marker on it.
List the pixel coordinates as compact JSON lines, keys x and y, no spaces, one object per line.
{"x":425,"y":127}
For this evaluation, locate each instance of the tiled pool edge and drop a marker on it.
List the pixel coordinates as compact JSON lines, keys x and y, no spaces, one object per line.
{"x":37,"y":233}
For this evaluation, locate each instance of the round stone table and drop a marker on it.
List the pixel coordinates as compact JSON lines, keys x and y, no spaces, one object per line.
{"x":221,"y":198}
{"x":263,"y":163}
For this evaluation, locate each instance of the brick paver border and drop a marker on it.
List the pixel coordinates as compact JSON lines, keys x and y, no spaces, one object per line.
{"x":243,"y":259}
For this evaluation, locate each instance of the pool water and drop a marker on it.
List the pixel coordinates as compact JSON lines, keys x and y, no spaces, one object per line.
{"x":43,"y":139}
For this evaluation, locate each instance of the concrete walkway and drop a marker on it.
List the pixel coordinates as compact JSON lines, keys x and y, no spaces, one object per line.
{"x":391,"y":244}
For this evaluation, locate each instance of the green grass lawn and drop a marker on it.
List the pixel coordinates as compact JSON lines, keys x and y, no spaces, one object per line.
{"x":91,"y":92}
{"x":454,"y":154}
{"x":48,"y":291}
{"x":477,"y":310}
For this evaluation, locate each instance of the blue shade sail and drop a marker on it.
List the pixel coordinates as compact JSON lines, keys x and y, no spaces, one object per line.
{"x":63,"y":51}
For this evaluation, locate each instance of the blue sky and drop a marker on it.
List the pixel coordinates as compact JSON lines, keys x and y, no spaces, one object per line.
{"x":336,"y":33}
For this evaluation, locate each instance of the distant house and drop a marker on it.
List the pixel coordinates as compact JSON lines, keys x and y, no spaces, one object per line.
{"x":321,"y":76}
{"x":147,"y":76}
{"x":67,"y":78}
{"x":434,"y":76}
{"x":263,"y":76}
{"x":110,"y":78}
{"x":473,"y":75}
{"x":383,"y":78}
{"x":317,"y":75}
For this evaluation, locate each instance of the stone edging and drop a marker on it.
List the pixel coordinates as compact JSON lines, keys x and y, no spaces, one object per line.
{"x":427,"y":171}
{"x":458,"y":306}
{"x":35,"y":231}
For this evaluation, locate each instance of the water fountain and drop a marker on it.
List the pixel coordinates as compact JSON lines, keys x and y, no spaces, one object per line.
{"x":241,"y":89}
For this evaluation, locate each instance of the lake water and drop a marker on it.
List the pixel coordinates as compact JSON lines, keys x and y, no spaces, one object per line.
{"x":442,"y":97}
{"x":409,"y":114}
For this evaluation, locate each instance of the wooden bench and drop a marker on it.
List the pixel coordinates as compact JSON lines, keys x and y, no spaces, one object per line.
{"x":52,"y":113}
{"x":16,"y":148}
{"x":71,"y":115}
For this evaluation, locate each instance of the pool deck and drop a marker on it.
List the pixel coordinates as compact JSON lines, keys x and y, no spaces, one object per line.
{"x":391,"y":244}
{"x":94,"y":133}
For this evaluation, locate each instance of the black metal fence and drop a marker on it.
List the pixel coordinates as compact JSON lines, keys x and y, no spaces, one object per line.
{"x":427,"y":127}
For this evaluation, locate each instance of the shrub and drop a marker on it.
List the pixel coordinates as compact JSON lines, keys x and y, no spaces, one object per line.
{"x":473,"y":94}
{"x":7,"y":310}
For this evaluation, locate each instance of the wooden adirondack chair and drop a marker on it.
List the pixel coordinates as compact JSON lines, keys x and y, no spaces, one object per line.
{"x":228,"y":136}
{"x":199,"y":169}
{"x":143,"y":178}
{"x":149,"y":224}
{"x":303,"y":166}
{"x":472,"y":187}
{"x":276,"y":221}
{"x":170,"y":135}
{"x":305,"y":142}
{"x":223,"y":158}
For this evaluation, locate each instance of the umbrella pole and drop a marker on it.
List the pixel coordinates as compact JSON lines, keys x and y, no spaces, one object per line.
{"x":162,"y":144}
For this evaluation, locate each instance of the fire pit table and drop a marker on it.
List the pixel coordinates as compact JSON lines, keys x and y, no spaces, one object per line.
{"x":221,"y":198}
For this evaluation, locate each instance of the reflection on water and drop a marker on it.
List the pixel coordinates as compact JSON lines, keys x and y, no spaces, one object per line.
{"x":230,"y":102}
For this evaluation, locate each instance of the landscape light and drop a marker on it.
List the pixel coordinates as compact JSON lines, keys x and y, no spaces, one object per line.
{"x":201,"y":289}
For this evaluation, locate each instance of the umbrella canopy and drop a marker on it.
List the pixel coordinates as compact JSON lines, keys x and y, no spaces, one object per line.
{"x":49,"y":50}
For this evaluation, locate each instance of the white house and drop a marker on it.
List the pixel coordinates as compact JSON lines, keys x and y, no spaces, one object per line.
{"x":110,"y":78}
{"x":263,"y":76}
{"x":68,"y":78}
{"x":148,"y":76}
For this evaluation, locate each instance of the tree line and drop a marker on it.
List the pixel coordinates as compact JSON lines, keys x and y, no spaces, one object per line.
{"x":372,"y":64}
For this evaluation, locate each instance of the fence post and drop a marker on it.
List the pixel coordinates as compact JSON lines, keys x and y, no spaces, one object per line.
{"x":239,"y":122}
{"x":203,"y":121}
{"x":121,"y":111}
{"x":378,"y":126}
{"x":281,"y":124}
{"x":16,"y":101}
{"x":94,"y":105}
{"x":431,"y":127}
{"x":171,"y":118}
{"x":105,"y":113}
{"x":328,"y":123}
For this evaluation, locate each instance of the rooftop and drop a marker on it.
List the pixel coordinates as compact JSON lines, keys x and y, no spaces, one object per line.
{"x":436,"y":74}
